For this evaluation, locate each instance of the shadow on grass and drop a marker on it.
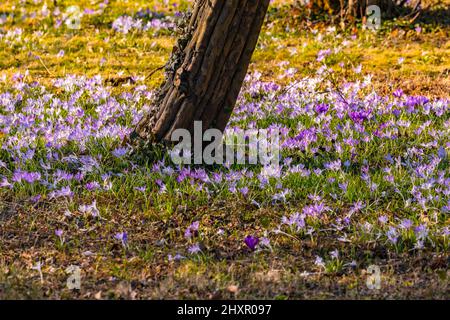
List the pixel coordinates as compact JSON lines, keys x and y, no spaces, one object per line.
{"x":435,"y":17}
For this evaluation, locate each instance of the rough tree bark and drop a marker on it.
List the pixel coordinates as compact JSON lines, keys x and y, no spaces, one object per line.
{"x":207,"y":68}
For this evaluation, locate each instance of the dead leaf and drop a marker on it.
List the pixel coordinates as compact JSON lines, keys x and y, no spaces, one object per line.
{"x":98,"y":295}
{"x":233,"y":289}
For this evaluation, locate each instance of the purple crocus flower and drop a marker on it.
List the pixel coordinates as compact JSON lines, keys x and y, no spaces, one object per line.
{"x":359,"y":116}
{"x":322,"y":108}
{"x":251,"y":242}
{"x":29,"y":177}
{"x":334,"y":254}
{"x":392,"y":235}
{"x":398,"y":93}
{"x":177,"y":257}
{"x":93,"y":185}
{"x":265,"y":242}
{"x":406,"y":224}
{"x":244,"y":191}
{"x":192,"y":230}
{"x":141,"y":189}
{"x":319,"y":262}
{"x":59,"y":233}
{"x":123,"y":237}
{"x":383,"y":219}
{"x":5,"y":183}
{"x":120,"y":152}
{"x":421,"y":232}
{"x":195,"y":248}
{"x":442,"y":153}
{"x":63,"y":192}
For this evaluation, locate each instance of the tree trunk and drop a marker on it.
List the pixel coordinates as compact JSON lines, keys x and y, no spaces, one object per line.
{"x":207,"y":68}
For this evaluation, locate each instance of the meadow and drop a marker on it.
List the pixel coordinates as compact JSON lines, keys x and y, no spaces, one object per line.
{"x":364,"y":181}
